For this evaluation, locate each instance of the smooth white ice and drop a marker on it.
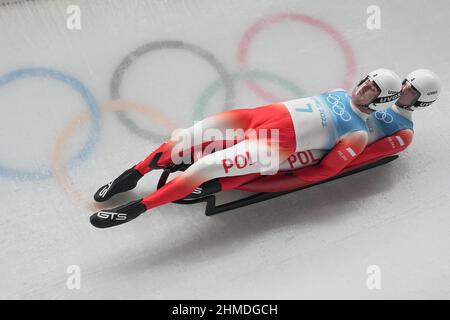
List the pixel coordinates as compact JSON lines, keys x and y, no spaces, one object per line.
{"x":316,"y":243}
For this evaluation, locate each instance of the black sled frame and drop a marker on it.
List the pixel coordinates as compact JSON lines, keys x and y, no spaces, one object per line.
{"x":213,"y":209}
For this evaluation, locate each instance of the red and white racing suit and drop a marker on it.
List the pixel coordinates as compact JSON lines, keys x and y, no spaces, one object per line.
{"x":390,"y":132}
{"x":325,"y":122}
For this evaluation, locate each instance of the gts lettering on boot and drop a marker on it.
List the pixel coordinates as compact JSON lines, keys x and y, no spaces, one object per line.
{"x":125,"y":182}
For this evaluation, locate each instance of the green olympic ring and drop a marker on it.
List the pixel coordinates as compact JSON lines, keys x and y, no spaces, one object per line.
{"x":211,"y":90}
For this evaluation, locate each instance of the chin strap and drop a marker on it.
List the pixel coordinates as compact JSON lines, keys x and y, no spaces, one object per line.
{"x":409,"y":108}
{"x":366,"y":106}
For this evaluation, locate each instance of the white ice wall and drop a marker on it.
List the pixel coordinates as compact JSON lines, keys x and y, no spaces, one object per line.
{"x":312,"y":244}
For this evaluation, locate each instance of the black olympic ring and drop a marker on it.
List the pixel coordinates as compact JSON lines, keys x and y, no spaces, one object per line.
{"x":117,"y":78}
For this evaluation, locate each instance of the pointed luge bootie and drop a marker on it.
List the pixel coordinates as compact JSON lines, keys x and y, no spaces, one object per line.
{"x":119,"y":215}
{"x":125,"y":182}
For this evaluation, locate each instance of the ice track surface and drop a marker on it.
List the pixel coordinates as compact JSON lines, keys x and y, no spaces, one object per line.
{"x":172,"y":62}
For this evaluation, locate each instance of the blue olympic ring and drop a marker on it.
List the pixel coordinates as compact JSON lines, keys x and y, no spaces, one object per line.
{"x":88,"y":97}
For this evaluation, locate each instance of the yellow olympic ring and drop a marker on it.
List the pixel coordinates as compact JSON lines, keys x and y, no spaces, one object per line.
{"x":57,"y":161}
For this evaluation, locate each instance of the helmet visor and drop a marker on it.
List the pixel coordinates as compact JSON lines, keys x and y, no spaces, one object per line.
{"x":365,"y":92}
{"x":408,"y":96}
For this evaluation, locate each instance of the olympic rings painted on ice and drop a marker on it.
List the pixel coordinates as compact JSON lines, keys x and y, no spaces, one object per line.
{"x":209,"y":92}
{"x":58,"y":168}
{"x":57,"y":162}
{"x":264,"y":23}
{"x":338,"y":107}
{"x":384,"y":116}
{"x":85,"y":93}
{"x":117,"y":78}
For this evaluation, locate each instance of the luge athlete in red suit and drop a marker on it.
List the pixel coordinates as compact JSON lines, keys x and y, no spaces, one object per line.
{"x":390,"y":132}
{"x":265,"y":137}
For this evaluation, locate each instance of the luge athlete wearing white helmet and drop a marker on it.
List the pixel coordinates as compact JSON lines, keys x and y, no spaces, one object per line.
{"x":390,"y":132}
{"x":331,"y":121}
{"x":377,"y":91}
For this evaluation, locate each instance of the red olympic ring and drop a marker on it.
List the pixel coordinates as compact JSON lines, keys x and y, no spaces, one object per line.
{"x":264,"y":23}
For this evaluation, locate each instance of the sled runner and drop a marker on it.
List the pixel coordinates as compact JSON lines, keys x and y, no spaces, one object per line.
{"x":211,"y":188}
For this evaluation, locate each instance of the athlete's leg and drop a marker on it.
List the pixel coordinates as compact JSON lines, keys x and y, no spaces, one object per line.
{"x":200,"y":135}
{"x":240,"y":159}
{"x":207,"y":135}
{"x":246,"y":157}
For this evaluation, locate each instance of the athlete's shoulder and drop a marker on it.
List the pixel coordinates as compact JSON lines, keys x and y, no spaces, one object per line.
{"x":405,"y":115}
{"x":335,"y":95}
{"x":338,"y":90}
{"x":360,"y":137}
{"x":393,"y":119}
{"x":360,"y":134}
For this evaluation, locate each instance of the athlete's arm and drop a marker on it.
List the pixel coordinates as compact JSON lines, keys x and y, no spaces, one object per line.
{"x":381,"y":148}
{"x":386,"y":146}
{"x":342,"y":154}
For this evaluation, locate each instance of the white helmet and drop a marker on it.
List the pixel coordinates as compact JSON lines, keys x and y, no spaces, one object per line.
{"x":383,"y":94}
{"x":425,"y":86}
